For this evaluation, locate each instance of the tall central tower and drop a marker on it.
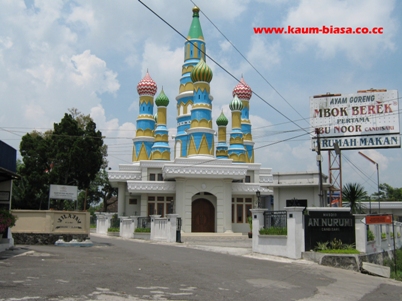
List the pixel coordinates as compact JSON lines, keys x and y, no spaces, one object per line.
{"x":194,"y":51}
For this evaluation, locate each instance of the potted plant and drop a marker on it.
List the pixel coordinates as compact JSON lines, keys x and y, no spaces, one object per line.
{"x":250,"y":223}
{"x":7,"y":220}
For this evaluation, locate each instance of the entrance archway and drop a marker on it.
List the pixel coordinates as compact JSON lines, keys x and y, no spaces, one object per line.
{"x":202,"y":216}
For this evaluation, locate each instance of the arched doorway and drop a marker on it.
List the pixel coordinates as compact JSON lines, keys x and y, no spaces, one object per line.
{"x":202,"y":216}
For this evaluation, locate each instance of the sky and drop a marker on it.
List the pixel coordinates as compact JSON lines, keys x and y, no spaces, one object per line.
{"x":90,"y":55}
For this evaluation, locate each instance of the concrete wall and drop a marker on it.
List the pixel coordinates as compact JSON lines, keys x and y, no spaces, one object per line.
{"x":51,"y":222}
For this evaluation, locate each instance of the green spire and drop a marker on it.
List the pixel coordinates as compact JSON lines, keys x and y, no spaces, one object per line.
{"x":222,"y":120}
{"x":195,"y":31}
{"x":162,"y":99}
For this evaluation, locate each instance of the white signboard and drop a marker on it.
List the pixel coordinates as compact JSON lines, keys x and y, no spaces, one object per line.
{"x":63,"y":192}
{"x":377,"y":141}
{"x":366,"y":114}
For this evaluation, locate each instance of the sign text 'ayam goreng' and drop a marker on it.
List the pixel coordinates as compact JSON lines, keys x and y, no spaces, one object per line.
{"x":368,"y":119}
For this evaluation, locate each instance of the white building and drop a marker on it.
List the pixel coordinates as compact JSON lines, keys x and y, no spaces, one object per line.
{"x":212,"y":188}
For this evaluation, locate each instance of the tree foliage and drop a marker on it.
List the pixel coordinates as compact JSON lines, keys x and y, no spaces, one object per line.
{"x":389,"y":193}
{"x":71,"y":154}
{"x":354,"y":194}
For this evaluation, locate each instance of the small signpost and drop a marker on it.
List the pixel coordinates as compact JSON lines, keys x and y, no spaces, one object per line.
{"x":379,"y":219}
{"x":382,"y":219}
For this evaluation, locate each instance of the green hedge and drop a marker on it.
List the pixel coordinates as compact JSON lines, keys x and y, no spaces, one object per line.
{"x":274,"y":231}
{"x":142,"y":230}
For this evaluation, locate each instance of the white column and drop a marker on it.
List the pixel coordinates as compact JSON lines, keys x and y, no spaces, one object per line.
{"x":295,"y":232}
{"x":121,"y":197}
{"x":258,"y":223}
{"x":172,"y":227}
{"x":361,"y":233}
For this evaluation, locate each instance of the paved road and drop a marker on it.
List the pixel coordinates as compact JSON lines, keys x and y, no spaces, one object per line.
{"x":120,"y":269}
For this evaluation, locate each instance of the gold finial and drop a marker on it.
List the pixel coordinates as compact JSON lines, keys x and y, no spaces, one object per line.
{"x":196,"y":9}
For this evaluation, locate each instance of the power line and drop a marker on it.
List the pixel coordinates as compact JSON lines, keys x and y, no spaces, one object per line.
{"x":255,"y":69}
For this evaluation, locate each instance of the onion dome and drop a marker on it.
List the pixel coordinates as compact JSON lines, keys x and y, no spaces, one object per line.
{"x":242,"y":90}
{"x":147,"y":86}
{"x":156,"y":117}
{"x":236,"y":104}
{"x":201,"y":72}
{"x":222,"y":120}
{"x":162,"y":100}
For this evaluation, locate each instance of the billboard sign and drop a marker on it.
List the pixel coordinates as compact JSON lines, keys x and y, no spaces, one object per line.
{"x":63,"y":192}
{"x":367,"y":119}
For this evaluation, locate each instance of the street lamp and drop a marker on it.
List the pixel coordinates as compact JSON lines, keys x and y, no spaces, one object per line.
{"x":378,"y":180}
{"x":258,"y":193}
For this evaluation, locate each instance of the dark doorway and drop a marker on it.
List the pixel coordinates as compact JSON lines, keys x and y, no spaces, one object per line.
{"x":202,"y":216}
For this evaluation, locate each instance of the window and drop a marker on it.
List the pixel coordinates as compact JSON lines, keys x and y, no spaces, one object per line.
{"x":152,"y":177}
{"x":248,"y":212}
{"x":132,"y":201}
{"x":160,"y":177}
{"x":239,"y":215}
{"x":248,"y":179}
{"x":151,"y":208}
{"x":233,"y":213}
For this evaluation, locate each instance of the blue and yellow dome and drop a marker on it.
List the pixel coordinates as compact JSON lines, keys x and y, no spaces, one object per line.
{"x":201,"y":72}
{"x":162,"y":100}
{"x":236,"y":104}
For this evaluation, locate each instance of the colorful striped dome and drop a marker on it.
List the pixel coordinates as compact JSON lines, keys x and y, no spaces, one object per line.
{"x":236,"y":104}
{"x":242,"y":90}
{"x":162,"y":100}
{"x":201,"y":72}
{"x":147,"y":86}
{"x":222,"y":120}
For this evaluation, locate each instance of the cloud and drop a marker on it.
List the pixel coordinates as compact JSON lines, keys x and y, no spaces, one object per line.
{"x":89,"y":70}
{"x":262,"y":53}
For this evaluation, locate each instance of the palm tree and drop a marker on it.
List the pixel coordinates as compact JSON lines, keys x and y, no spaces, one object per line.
{"x":354,"y":194}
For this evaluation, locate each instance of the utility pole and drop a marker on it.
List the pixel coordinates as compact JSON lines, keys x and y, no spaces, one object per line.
{"x":318,"y":149}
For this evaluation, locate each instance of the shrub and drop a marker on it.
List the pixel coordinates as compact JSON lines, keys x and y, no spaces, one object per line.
{"x":370,"y":235}
{"x":383,"y":235}
{"x":274,"y":231}
{"x":142,"y":230}
{"x":113,"y":229}
{"x":7,"y":220}
{"x":336,"y":247}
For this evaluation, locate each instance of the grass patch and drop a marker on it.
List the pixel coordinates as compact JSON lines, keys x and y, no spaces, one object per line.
{"x":142,"y":230}
{"x":339,"y":251}
{"x":92,"y":226}
{"x":274,"y":231}
{"x":113,"y":229}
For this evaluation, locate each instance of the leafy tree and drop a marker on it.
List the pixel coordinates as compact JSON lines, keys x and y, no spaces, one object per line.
{"x":354,"y":194}
{"x":389,"y":193}
{"x":100,"y":192}
{"x":71,"y":154}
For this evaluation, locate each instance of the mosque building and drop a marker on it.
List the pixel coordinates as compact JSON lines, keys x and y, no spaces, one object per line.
{"x":211,"y":187}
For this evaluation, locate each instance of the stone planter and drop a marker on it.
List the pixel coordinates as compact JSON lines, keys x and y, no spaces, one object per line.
{"x":113,"y":234}
{"x":142,"y":235}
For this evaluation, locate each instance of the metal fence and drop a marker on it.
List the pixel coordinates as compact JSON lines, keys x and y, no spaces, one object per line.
{"x":144,"y":222}
{"x":275,"y":219}
{"x":92,"y":220}
{"x":115,"y":222}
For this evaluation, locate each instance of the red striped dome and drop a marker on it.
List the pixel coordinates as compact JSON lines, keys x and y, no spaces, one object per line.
{"x":242,"y":90}
{"x":147,"y":86}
